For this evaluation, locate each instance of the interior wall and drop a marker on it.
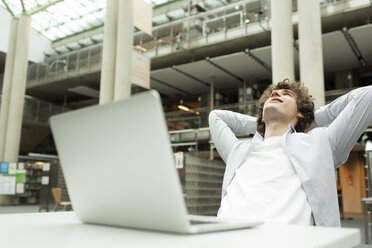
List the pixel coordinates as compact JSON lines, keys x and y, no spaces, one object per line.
{"x":353,"y":184}
{"x":38,"y":43}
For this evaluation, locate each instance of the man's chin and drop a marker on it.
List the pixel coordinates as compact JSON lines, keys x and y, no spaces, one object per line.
{"x":275,"y":114}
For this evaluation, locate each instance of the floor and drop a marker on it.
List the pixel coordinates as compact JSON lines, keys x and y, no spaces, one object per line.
{"x":352,"y":223}
{"x":357,"y":223}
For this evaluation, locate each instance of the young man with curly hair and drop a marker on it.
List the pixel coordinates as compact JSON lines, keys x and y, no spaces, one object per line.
{"x":286,"y":173}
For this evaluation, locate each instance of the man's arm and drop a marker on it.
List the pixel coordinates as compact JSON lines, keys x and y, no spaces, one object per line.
{"x":348,"y":117}
{"x":223,"y":124}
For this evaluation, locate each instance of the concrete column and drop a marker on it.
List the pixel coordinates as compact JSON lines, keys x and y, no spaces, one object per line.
{"x":311,"y":49}
{"x":17,"y":94}
{"x":245,"y":97}
{"x":7,"y":82}
{"x":282,"y":40}
{"x":106,"y":93}
{"x":212,"y":93}
{"x":124,"y":47}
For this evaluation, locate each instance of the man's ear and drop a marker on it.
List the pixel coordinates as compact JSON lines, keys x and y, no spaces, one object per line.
{"x":299,"y":115}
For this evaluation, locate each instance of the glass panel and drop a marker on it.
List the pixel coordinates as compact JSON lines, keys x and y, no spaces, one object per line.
{"x":80,"y":15}
{"x":44,"y":112}
{"x":30,"y":109}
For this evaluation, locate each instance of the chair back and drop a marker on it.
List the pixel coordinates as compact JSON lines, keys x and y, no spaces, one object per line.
{"x":57,"y":192}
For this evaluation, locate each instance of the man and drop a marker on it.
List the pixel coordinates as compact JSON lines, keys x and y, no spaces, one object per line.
{"x":286,"y":173}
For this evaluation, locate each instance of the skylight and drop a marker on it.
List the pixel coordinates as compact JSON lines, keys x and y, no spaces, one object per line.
{"x":65,"y":18}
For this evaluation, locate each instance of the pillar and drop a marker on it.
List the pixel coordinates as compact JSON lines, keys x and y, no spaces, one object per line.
{"x":211,"y":145}
{"x":17,"y":94}
{"x":107,"y":84}
{"x":282,"y":40}
{"x":124,"y":47}
{"x":7,"y":82}
{"x":311,"y":49}
{"x":212,"y":93}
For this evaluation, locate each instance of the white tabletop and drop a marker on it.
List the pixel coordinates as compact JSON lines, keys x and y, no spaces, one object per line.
{"x":62,"y":229}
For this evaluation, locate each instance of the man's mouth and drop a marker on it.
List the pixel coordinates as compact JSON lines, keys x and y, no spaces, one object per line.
{"x":276,"y":100}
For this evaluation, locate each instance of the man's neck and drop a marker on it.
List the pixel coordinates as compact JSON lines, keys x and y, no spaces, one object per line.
{"x":275,"y":129}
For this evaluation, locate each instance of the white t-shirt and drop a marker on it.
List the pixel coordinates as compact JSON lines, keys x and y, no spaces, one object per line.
{"x":266,"y":186}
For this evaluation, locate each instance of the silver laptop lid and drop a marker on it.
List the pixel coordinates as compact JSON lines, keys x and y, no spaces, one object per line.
{"x":118,"y":164}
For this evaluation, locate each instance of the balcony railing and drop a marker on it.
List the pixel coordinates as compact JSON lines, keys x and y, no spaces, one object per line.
{"x":198,"y":118}
{"x":39,"y":112}
{"x":225,"y":23}
{"x":81,"y":62}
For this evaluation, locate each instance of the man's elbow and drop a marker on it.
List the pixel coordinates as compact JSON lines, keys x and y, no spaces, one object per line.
{"x":369,"y":91}
{"x":368,"y":95}
{"x":212,"y":116}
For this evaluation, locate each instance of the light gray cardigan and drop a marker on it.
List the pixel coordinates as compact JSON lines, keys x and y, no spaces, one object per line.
{"x":314,"y":155}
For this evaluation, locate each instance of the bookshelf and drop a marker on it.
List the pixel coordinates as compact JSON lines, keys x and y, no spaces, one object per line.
{"x":23,"y":182}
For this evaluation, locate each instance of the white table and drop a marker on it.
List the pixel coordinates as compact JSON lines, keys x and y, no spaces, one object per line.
{"x":62,"y":229}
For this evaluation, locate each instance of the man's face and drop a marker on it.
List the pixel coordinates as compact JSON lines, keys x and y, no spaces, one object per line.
{"x":281,"y":106}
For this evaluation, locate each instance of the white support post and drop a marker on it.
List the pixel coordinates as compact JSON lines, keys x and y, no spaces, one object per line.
{"x":311,"y":49}
{"x":124,"y":48}
{"x":282,"y":40}
{"x":107,"y":84}
{"x":7,"y":83}
{"x":17,"y":96}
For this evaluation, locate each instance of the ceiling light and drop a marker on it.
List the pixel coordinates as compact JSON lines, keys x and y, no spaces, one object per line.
{"x":246,"y":21}
{"x":184,"y":108}
{"x":141,"y":48}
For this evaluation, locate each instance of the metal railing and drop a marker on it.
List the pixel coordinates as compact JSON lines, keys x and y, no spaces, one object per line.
{"x":178,"y":120}
{"x":217,"y":25}
{"x":84,"y":61}
{"x":198,"y":118}
{"x":37,"y":111}
{"x":175,"y":36}
{"x":180,"y":34}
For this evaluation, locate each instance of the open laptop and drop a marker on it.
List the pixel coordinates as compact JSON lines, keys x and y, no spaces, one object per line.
{"x":119,"y":168}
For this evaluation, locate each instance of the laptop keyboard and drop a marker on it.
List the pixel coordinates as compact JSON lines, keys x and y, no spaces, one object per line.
{"x":197,"y":222}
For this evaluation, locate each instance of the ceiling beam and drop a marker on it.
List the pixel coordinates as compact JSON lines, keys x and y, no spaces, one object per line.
{"x":42,"y":7}
{"x":191,"y":76}
{"x":224,"y":70}
{"x":8,"y":8}
{"x":258,"y":60}
{"x":78,"y":36}
{"x":170,"y":86}
{"x":354,"y":47}
{"x":23,"y":7}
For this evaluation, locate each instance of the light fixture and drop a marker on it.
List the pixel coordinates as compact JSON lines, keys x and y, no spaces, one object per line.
{"x":246,"y":21}
{"x":184,"y":108}
{"x":141,"y":48}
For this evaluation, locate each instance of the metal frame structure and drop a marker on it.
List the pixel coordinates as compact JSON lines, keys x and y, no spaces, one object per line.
{"x":57,"y":19}
{"x":61,"y":19}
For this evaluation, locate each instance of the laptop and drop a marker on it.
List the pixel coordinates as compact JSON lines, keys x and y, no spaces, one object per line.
{"x":120,"y":170}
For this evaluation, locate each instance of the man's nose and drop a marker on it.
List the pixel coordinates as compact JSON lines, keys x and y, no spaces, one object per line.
{"x":275,"y":93}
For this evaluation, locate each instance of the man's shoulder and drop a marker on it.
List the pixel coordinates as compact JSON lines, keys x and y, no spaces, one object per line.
{"x":319,"y":131}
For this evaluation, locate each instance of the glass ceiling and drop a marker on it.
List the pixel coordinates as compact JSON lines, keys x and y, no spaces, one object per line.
{"x":65,"y":18}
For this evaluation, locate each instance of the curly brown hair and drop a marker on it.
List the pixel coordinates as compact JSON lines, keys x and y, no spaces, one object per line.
{"x":305,"y":104}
